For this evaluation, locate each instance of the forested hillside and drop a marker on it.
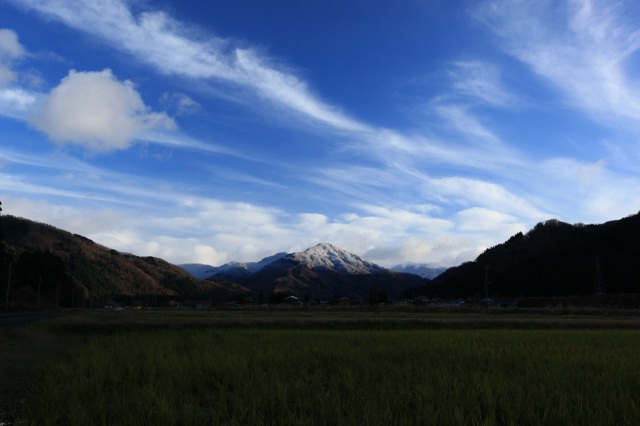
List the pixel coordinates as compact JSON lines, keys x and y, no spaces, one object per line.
{"x":45,"y":266}
{"x":553,"y":259}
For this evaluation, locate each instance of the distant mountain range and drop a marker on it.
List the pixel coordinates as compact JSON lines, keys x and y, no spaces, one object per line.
{"x":422,"y":269}
{"x":553,"y":259}
{"x":322,"y":255}
{"x":229,"y":271}
{"x":323,"y":271}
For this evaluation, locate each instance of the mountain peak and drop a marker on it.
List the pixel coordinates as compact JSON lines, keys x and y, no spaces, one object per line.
{"x":324,"y":248}
{"x":328,"y":256}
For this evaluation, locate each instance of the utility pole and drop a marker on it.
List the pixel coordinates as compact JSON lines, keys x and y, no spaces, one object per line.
{"x":6,"y":304}
{"x":39,"y":286}
{"x":486,"y":287}
{"x":598,"y":282}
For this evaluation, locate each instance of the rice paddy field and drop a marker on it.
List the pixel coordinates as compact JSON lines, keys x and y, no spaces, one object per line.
{"x":330,"y":368}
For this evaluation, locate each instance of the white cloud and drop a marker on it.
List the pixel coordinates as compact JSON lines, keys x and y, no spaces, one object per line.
{"x":390,"y":167}
{"x":207,"y":254}
{"x":442,"y":250}
{"x":17,"y":103}
{"x":469,"y":192}
{"x":461,"y":120}
{"x":214,"y":231}
{"x":174,"y":48}
{"x":585,"y":192}
{"x":488,"y":220}
{"x":180,"y":103}
{"x":480,"y":81}
{"x":96,"y":111}
{"x":10,"y":49}
{"x":586,"y":48}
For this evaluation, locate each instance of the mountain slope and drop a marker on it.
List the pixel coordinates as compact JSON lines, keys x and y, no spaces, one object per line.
{"x":91,"y":271}
{"x":327,"y":272}
{"x":198,"y":270}
{"x":330,"y":257}
{"x":422,"y":269}
{"x":231,"y":271}
{"x":553,"y":259}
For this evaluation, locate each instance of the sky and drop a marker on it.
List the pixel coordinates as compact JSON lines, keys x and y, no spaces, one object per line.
{"x":421,"y":131}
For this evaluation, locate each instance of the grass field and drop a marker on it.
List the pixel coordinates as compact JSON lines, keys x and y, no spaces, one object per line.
{"x":330,"y":368}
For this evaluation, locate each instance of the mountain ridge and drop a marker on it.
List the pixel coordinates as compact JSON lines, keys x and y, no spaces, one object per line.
{"x":321,"y":271}
{"x":330,"y":257}
{"x":327,"y":272}
{"x":422,"y":269}
{"x":83,"y":271}
{"x":552,"y":259}
{"x":230,"y":270}
{"x":322,"y":255}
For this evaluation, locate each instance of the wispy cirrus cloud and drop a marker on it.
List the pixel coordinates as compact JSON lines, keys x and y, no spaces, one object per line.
{"x":10,"y":50}
{"x":157,"y":218}
{"x":480,"y":81}
{"x":14,"y":101}
{"x":585,"y":48}
{"x":440,"y":192}
{"x":175,"y":48}
{"x":98,"y":112}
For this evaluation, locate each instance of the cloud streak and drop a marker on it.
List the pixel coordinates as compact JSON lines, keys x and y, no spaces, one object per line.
{"x":438,"y":192}
{"x":585,"y":48}
{"x":480,"y":81}
{"x":174,"y":48}
{"x":10,"y":50}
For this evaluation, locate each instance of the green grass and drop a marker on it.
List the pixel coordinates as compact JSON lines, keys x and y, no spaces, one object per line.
{"x":322,"y":367}
{"x":344,"y":377}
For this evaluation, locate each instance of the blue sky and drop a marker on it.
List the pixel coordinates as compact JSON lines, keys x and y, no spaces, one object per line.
{"x":409,"y":131}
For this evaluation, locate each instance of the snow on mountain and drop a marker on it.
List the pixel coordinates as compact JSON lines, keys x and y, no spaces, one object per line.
{"x":321,"y":256}
{"x":267,"y":260}
{"x":328,"y":256}
{"x":231,"y":270}
{"x":198,"y":270}
{"x":422,"y":269}
{"x":322,"y":271}
{"x":237,"y":270}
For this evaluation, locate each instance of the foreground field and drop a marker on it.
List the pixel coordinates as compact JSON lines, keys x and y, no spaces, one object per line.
{"x":253,"y":369}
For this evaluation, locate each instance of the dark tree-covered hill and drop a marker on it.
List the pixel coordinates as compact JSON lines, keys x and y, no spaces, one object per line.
{"x":70,"y":270}
{"x":553,"y":259}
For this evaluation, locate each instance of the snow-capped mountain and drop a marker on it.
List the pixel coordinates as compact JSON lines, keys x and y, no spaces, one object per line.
{"x":198,"y":270}
{"x":323,"y":271}
{"x":237,"y":270}
{"x":422,"y":269}
{"x":328,"y":256}
{"x":326,"y":271}
{"x":229,"y":271}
